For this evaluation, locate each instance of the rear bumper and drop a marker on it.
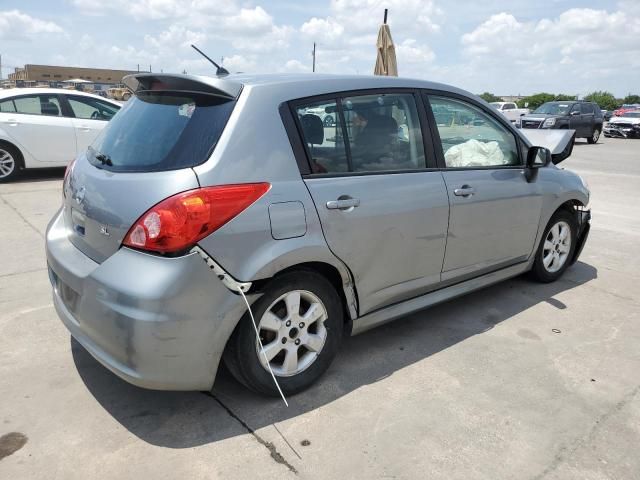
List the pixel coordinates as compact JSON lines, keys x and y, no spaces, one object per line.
{"x":159,"y":323}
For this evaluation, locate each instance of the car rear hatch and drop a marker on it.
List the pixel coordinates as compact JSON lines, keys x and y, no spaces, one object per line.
{"x":145,"y":154}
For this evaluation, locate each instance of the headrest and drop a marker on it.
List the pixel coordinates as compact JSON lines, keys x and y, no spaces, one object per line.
{"x":312,"y":129}
{"x":49,"y":108}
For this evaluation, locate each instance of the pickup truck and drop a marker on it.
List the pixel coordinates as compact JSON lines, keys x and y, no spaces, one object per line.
{"x":511,"y":111}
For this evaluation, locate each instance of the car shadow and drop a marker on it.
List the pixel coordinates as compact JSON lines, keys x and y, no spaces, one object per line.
{"x":40,"y":175}
{"x":189,"y":419}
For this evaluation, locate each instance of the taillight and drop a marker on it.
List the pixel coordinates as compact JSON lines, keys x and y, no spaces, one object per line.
{"x":66,"y":176}
{"x":180,"y":221}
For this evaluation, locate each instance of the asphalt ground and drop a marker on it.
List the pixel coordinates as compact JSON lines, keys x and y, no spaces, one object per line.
{"x":517,"y":381}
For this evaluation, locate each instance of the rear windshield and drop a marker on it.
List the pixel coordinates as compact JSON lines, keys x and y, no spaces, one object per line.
{"x":157,"y":131}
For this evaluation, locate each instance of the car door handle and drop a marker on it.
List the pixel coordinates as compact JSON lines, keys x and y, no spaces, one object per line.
{"x":84,"y":128}
{"x":12,"y":121}
{"x":343,"y":203}
{"x":464,"y":191}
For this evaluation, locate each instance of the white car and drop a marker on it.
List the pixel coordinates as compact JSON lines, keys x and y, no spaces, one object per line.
{"x":48,"y":127}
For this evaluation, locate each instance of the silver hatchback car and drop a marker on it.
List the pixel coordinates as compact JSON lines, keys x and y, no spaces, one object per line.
{"x":202,"y":190}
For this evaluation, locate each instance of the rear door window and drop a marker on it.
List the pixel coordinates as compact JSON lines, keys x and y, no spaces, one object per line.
{"x":587,"y":108}
{"x":366,"y":133}
{"x":157,"y":131}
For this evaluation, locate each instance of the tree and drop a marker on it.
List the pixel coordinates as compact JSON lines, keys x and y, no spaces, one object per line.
{"x":605,"y":100}
{"x":534,"y":101}
{"x":489,"y":97}
{"x":537,"y":99}
{"x":631,"y":99}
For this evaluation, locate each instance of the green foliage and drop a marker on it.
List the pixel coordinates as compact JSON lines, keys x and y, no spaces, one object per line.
{"x":605,"y":100}
{"x":534,"y":101}
{"x":489,"y":97}
{"x":631,"y":99}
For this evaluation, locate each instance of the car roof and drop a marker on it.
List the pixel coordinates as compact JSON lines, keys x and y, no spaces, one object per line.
{"x":10,"y":92}
{"x":296,"y":85}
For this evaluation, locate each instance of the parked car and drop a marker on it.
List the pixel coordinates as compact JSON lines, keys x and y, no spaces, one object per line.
{"x":511,"y":111}
{"x":627,"y":107}
{"x":326,"y":234}
{"x":583,"y":117}
{"x":47,"y":128}
{"x":625,"y":126}
{"x":606,"y":114}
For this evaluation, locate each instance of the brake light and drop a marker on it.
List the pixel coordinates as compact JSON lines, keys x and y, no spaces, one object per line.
{"x":66,"y":176}
{"x":180,"y":221}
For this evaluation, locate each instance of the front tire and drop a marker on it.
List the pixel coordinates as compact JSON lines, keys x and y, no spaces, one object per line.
{"x":300,"y":320}
{"x":556,"y":247}
{"x":595,"y":136}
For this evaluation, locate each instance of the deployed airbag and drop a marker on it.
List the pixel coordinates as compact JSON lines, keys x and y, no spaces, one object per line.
{"x":474,"y":153}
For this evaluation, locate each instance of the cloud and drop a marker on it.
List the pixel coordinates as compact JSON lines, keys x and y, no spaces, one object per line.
{"x":239,"y":63}
{"x":410,"y":52}
{"x":578,"y":49}
{"x":15,"y":25}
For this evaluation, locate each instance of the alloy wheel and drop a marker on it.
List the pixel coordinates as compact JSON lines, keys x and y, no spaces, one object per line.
{"x":7,"y":163}
{"x":595,"y":136}
{"x":292,"y":332}
{"x":557,"y":246}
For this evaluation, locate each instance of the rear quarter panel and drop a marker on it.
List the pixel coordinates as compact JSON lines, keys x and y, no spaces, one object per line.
{"x":254,"y":147}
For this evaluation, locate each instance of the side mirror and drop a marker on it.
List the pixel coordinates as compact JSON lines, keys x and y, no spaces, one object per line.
{"x":537,"y":157}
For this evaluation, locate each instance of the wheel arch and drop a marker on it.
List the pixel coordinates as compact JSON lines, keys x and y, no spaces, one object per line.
{"x":571,"y":204}
{"x":344,"y":286}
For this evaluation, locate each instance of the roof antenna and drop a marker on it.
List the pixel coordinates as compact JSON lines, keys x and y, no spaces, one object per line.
{"x":221,"y":71}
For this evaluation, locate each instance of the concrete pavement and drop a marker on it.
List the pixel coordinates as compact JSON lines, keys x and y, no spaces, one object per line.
{"x":519,"y":380}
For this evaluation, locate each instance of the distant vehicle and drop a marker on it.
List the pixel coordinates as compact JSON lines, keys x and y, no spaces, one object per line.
{"x":48,"y":128}
{"x":606,"y":114}
{"x":206,"y":187}
{"x":627,"y":107}
{"x":511,"y":111}
{"x":583,"y":117}
{"x":625,"y":126}
{"x":119,"y":92}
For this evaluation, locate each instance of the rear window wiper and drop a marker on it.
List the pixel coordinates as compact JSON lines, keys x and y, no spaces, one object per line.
{"x":103,"y":159}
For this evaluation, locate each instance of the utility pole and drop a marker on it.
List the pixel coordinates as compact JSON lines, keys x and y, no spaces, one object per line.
{"x":313,"y":68}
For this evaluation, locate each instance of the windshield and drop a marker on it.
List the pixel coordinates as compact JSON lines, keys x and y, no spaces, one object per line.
{"x":496,"y":105}
{"x":553,"y":108}
{"x":156,"y":131}
{"x":632,"y":114}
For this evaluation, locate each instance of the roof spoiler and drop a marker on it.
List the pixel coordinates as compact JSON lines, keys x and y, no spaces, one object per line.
{"x":183,"y":83}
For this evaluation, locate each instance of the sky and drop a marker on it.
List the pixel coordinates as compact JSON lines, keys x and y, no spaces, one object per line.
{"x":507,"y":47}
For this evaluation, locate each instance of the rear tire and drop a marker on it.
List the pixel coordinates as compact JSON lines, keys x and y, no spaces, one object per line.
{"x":10,"y":162}
{"x":595,"y":136}
{"x":556,"y":248}
{"x":300,"y":342}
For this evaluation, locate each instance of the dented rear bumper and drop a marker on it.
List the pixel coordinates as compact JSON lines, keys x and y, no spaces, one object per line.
{"x":157,"y":322}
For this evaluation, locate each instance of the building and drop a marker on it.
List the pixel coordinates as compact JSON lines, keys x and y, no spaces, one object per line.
{"x":32,"y":75}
